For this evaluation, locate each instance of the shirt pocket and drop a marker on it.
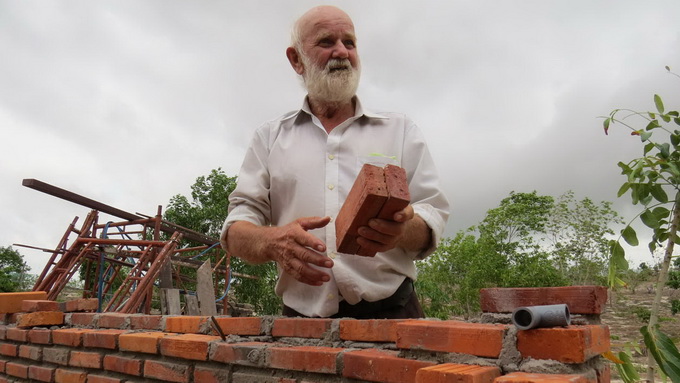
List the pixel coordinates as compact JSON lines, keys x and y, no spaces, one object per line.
{"x":377,"y":160}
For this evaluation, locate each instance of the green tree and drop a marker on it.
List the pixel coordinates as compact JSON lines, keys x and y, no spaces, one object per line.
{"x":527,"y":241}
{"x":12,"y":269}
{"x":649,"y":180}
{"x":579,"y":232}
{"x":206,"y":213}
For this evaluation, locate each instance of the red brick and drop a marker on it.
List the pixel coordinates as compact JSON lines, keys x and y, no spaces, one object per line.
{"x":30,"y":306}
{"x":301,"y":327}
{"x":187,"y":346}
{"x":237,"y":353}
{"x":8,"y":349}
{"x":56,"y":355}
{"x":83,"y":304}
{"x":574,"y":344}
{"x":41,"y":373}
{"x":397,"y":190}
{"x":240,"y":326}
{"x":372,"y":330}
{"x":41,"y":318}
{"x":62,"y":375}
{"x":146,"y":342}
{"x":171,"y":372}
{"x":17,"y":334}
{"x":459,"y":373}
{"x":3,"y":331}
{"x":102,"y":338}
{"x":83,"y":319}
{"x":580,"y":299}
{"x":102,"y":379}
{"x":211,"y":375}
{"x":3,"y":363}
{"x":113,"y":320}
{"x":85,"y":359}
{"x":186,"y":324}
{"x":604,"y":373}
{"x":69,"y":336}
{"x":30,"y":352}
{"x":305,"y":358}
{"x":452,"y":336}
{"x":145,"y":322}
{"x":124,"y":365}
{"x":16,"y":369}
{"x":364,"y":201}
{"x":253,"y":377}
{"x":381,"y":366}
{"x":40,"y":336}
{"x":11,"y":302}
{"x":524,"y":377}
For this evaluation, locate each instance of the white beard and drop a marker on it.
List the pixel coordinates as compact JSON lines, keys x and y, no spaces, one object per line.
{"x":331,"y":85}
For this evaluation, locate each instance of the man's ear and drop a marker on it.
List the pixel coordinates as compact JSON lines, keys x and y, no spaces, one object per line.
{"x":295,"y":61}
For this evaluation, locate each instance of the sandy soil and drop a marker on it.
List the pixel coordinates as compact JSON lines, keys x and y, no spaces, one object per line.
{"x":621,"y":315}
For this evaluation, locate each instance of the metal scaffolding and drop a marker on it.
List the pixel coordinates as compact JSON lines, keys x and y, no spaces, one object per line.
{"x":125,"y":264}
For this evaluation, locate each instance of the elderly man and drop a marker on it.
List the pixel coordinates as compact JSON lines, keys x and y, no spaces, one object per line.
{"x":298,"y":171}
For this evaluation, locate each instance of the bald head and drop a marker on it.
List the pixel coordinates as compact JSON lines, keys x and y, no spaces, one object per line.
{"x":317,"y":17}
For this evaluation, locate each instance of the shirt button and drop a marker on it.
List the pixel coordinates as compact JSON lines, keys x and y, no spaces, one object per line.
{"x":331,"y":157}
{"x":331,"y":296}
{"x":331,"y":255}
{"x":331,"y":186}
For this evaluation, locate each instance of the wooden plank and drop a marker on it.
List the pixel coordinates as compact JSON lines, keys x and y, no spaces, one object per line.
{"x":191,"y":307}
{"x":170,"y":302}
{"x":204,"y":289}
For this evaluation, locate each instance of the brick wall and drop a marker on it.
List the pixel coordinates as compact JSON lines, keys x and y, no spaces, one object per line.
{"x":112,"y":347}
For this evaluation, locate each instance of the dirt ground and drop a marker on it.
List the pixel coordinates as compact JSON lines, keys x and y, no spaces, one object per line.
{"x":622,"y":315}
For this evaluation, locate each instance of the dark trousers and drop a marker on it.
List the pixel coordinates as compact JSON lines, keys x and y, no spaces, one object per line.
{"x":403,"y":304}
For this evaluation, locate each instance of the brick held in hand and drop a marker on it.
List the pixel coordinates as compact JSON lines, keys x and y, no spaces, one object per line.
{"x":364,"y":201}
{"x":376,"y":193}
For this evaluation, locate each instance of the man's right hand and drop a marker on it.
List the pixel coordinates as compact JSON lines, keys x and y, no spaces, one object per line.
{"x":290,"y":246}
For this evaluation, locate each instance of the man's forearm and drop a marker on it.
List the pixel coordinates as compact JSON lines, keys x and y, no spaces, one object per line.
{"x":242,"y":242}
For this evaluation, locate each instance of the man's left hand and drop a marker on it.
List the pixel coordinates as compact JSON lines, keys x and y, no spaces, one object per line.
{"x":406,"y":230}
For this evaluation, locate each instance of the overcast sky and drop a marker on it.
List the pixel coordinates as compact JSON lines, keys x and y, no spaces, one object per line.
{"x":127,"y":102}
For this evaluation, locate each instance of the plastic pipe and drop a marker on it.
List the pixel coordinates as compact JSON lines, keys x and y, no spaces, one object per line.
{"x":529,"y":317}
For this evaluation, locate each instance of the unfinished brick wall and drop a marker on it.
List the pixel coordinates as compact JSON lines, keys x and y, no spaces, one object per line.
{"x":112,"y":347}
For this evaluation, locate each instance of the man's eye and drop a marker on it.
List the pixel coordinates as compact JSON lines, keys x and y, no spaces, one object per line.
{"x":350,"y":43}
{"x":325,"y":42}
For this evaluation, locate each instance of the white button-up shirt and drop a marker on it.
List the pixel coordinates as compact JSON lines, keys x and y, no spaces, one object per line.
{"x":294,"y":168}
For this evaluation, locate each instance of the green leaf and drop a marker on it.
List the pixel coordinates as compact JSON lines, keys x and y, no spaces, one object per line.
{"x":629,"y":235}
{"x":658,"y":193}
{"x":652,"y":125}
{"x":629,"y":374}
{"x":665,"y":149}
{"x":661,"y":212}
{"x":649,"y":219}
{"x":675,"y":139}
{"x":664,"y":352}
{"x":624,"y":188}
{"x":606,"y":123}
{"x":618,"y":256}
{"x":644,"y":136}
{"x":648,"y":147}
{"x":658,"y":103}
{"x":677,"y":121}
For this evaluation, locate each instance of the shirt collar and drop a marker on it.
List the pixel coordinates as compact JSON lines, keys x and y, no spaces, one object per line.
{"x":358,"y":111}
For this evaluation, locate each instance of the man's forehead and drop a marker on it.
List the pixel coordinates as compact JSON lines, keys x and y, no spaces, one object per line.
{"x":327,"y":20}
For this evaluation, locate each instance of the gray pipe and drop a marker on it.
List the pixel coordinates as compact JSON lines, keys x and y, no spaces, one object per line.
{"x":529,"y":317}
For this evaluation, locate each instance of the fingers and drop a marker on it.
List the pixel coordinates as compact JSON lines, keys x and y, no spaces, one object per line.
{"x":297,"y":264}
{"x":310,"y":223}
{"x":404,"y":215}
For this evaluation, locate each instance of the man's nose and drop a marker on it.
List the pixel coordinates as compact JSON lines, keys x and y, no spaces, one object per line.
{"x":340,"y":50}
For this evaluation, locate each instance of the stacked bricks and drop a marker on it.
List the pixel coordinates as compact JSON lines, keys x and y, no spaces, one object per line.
{"x":376,"y":193}
{"x":91,"y":347}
